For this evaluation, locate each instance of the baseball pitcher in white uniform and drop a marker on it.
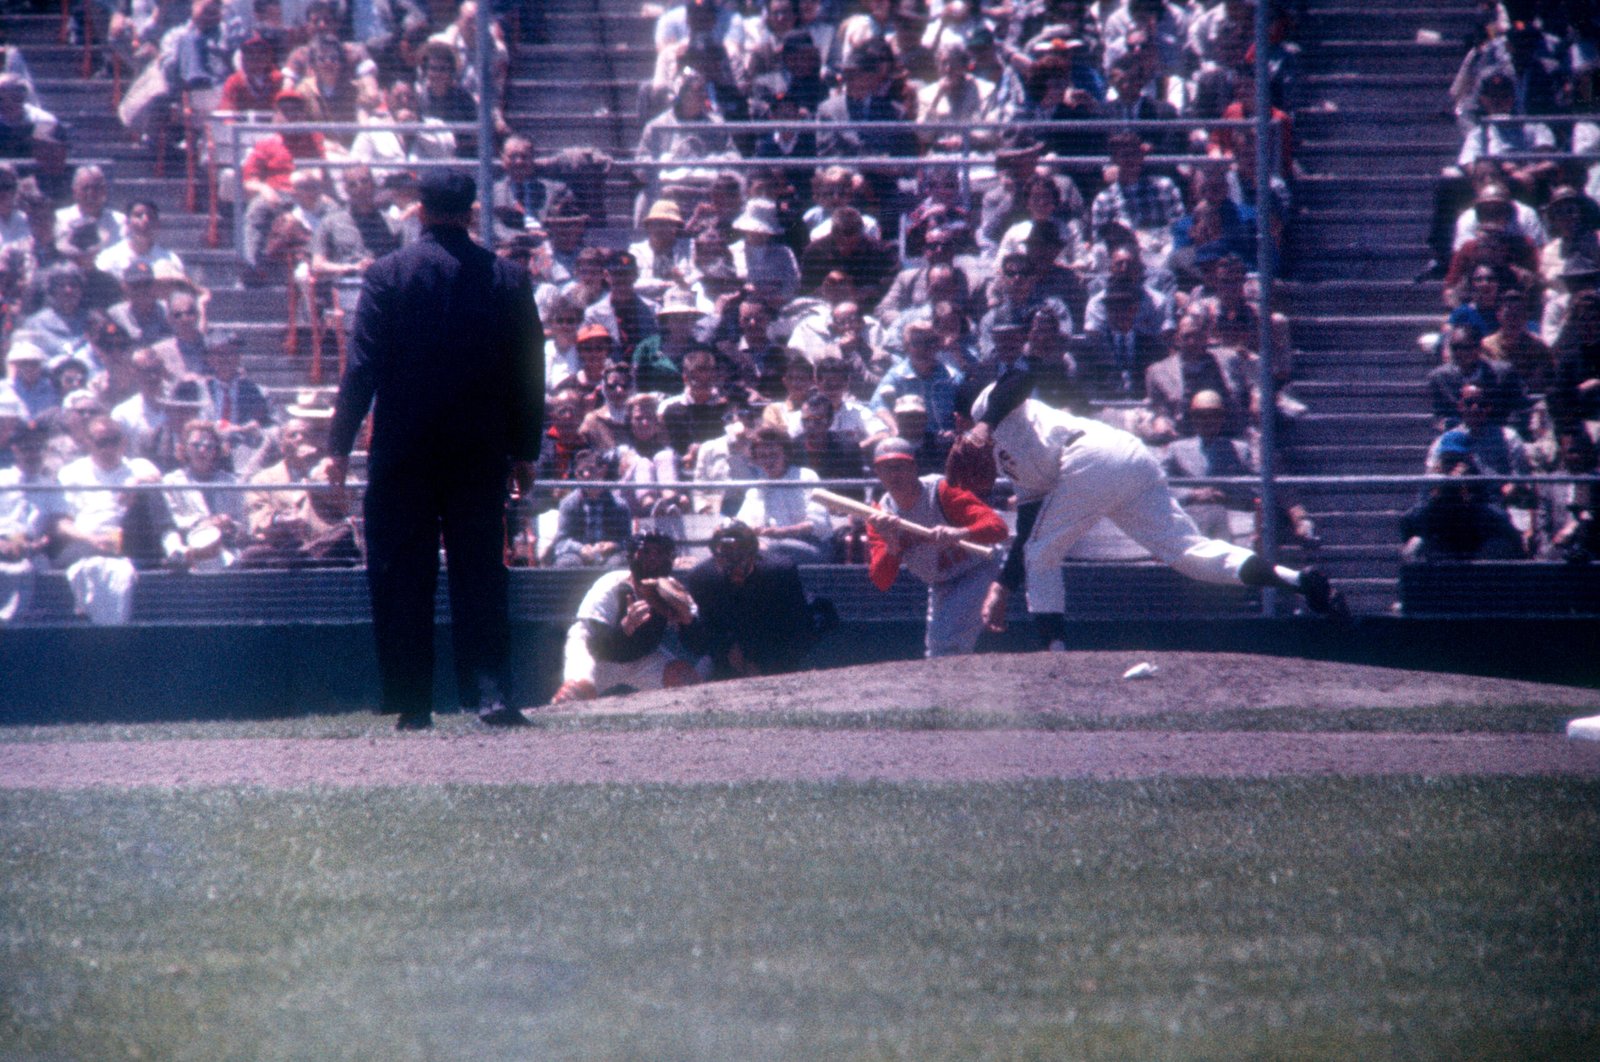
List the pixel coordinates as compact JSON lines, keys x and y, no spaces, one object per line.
{"x":1069,"y":472}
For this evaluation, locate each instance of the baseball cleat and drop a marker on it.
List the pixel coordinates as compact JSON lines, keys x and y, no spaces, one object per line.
{"x":1321,"y":595}
{"x":499,"y":715}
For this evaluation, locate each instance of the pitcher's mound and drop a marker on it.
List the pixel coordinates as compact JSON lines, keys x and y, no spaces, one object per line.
{"x":1084,"y":684}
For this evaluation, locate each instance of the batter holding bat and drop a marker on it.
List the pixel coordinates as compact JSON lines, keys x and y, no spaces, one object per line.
{"x":930,"y":528}
{"x":1068,"y":473}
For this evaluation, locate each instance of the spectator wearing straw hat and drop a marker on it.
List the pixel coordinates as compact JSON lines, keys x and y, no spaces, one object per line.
{"x":663,"y":254}
{"x":658,"y":361}
{"x":299,"y":528}
{"x":26,"y":380}
{"x":765,"y":264}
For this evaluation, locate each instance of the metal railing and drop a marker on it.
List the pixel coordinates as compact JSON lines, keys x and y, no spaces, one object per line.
{"x":1571,"y":586}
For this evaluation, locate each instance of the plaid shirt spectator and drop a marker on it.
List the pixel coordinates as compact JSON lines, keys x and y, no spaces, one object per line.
{"x":1152,"y":202}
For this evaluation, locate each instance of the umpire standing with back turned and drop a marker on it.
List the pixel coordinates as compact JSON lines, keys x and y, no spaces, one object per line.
{"x":446,"y":338}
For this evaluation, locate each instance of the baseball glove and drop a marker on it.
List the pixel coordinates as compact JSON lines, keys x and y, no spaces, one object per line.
{"x":971,"y":467}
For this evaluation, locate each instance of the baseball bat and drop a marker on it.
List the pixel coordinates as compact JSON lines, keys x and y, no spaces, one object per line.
{"x":850,"y":507}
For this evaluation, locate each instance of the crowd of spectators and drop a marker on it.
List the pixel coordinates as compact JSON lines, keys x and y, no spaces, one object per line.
{"x":1513,"y":238}
{"x":776,"y":321}
{"x":760,"y":324}
{"x":790,"y":316}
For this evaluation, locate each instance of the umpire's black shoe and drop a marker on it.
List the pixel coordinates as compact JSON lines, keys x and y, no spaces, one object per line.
{"x":498,"y":714}
{"x":414,"y":721}
{"x":1321,"y":595}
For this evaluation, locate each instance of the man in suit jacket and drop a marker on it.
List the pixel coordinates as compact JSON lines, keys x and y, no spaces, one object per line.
{"x":523,"y":199}
{"x":1194,"y":366}
{"x":447,"y":339}
{"x":864,"y":98}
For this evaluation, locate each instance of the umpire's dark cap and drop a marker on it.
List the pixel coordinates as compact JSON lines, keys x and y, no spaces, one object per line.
{"x":733,"y":540}
{"x":447,"y":192}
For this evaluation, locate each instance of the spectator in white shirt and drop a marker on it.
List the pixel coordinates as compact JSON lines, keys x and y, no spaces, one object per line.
{"x":142,"y":228}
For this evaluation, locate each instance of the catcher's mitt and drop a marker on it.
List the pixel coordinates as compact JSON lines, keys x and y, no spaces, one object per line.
{"x":971,"y":467}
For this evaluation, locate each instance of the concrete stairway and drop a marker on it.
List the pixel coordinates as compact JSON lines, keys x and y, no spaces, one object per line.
{"x":1372,"y":117}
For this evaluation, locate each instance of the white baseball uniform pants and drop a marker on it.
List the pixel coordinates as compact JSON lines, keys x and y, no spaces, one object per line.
{"x":1117,"y":478}
{"x":955,"y":611}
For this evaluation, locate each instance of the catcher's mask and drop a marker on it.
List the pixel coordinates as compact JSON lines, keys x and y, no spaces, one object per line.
{"x":650,"y":555}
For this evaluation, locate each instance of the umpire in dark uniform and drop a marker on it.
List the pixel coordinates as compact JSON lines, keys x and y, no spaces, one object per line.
{"x":448,"y":341}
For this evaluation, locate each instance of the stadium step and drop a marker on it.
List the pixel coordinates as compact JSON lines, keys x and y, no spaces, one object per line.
{"x":1379,"y":263}
{"x":1347,"y":364}
{"x":1366,"y":528}
{"x":1322,"y":123}
{"x":1316,"y":230}
{"x":1322,"y":427}
{"x":1372,"y":459}
{"x":1396,"y":156}
{"x":29,"y":31}
{"x":1333,"y":296}
{"x":1363,"y":333}
{"x":1347,"y":21}
{"x":1364,"y":397}
{"x":579,"y":61}
{"x":1437,"y":61}
{"x":1406,"y":93}
{"x":615,"y":134}
{"x":529,"y":96}
{"x":570,"y":27}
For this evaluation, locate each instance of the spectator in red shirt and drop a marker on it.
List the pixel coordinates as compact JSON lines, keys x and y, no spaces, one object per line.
{"x":272,"y":160}
{"x":257,"y":82}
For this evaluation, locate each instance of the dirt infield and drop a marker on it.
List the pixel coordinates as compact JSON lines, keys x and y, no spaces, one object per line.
{"x":992,"y":707}
{"x":719,"y":756}
{"x":1039,"y":685}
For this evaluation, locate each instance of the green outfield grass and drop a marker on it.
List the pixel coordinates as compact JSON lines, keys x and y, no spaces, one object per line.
{"x":1295,"y":918}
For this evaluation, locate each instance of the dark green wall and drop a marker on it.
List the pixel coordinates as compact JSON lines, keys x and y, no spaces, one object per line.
{"x":98,"y":674}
